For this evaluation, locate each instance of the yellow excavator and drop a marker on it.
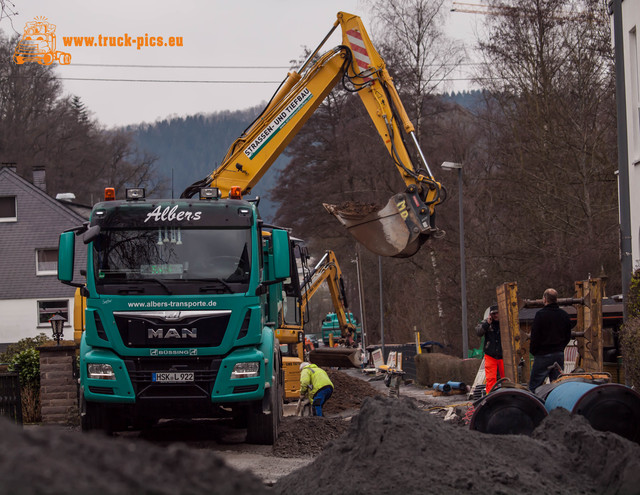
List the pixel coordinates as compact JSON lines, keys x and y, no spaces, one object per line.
{"x":346,"y":353}
{"x":407,"y":221}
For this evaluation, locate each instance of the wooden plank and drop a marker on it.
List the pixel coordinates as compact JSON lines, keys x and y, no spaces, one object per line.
{"x":512,"y":350}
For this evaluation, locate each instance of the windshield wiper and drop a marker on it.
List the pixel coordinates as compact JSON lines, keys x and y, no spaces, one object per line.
{"x":152,"y":279}
{"x":209,"y":288}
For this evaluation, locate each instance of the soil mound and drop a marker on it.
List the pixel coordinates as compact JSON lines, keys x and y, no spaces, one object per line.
{"x":307,"y":436}
{"x":393,"y":446}
{"x":50,"y":461}
{"x":348,"y":393}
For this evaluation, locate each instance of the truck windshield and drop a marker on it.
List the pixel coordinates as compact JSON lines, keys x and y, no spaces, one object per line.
{"x":173,"y":260}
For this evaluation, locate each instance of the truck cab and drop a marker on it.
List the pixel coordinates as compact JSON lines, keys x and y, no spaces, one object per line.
{"x":182,"y":301}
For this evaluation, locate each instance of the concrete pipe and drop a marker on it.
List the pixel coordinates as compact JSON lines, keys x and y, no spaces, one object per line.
{"x":508,"y":411}
{"x":608,"y":407}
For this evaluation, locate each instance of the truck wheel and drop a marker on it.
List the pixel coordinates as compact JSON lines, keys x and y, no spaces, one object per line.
{"x":263,"y":427}
{"x":94,"y":417}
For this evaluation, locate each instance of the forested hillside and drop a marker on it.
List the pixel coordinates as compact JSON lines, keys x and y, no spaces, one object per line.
{"x":189,"y":148}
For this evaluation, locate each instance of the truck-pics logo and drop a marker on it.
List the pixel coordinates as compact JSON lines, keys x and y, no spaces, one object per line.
{"x":38,"y":44}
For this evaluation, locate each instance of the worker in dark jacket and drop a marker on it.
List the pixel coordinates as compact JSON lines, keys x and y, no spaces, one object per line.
{"x":550,"y":334}
{"x":493,"y":363}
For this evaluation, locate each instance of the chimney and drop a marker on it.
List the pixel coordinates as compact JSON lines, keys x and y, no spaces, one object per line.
{"x":39,"y":178}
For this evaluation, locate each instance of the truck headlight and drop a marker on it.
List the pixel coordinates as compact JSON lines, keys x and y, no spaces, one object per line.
{"x":100,"y":371}
{"x":245,"y":370}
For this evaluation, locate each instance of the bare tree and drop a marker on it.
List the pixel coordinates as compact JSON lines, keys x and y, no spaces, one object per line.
{"x":550,"y":126}
{"x":40,"y":127}
{"x":418,"y":52}
{"x":7,"y":11}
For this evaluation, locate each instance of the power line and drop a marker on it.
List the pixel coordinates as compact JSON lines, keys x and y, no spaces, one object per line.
{"x":141,"y":66}
{"x":179,"y":81}
{"x":186,"y":81}
{"x":232,"y":67}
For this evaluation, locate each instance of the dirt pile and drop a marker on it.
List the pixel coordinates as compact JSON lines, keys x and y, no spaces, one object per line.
{"x":307,"y":436}
{"x":393,"y":446}
{"x":348,"y":394}
{"x":46,"y":461}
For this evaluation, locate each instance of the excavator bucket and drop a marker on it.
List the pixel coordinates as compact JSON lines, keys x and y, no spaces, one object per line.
{"x":397,"y":230}
{"x":336,"y":357}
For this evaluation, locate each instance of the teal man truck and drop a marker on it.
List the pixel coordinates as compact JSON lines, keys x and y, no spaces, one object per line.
{"x":183,"y":300}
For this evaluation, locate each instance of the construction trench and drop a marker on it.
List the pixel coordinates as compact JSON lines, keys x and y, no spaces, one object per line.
{"x":372,"y":440}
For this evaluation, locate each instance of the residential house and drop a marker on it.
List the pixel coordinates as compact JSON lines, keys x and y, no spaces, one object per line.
{"x":30,"y":223}
{"x":626,"y":17}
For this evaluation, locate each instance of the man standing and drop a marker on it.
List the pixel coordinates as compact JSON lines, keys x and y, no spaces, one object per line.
{"x":550,"y":333}
{"x":315,"y":385}
{"x":493,"y":362}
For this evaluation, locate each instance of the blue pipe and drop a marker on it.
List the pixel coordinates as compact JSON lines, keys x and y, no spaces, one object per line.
{"x":442,"y":387}
{"x":566,"y":394}
{"x":457,"y":385}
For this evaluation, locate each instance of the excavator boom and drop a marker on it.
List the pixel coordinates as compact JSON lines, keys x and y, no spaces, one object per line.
{"x":407,"y":221}
{"x":327,"y":272}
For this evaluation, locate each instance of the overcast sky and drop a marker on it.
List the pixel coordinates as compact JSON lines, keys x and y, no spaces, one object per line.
{"x":255,"y":33}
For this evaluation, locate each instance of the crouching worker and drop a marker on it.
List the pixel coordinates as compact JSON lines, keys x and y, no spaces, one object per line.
{"x":315,"y":385}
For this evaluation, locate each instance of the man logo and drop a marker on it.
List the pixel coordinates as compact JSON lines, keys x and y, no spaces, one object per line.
{"x":172,"y":333}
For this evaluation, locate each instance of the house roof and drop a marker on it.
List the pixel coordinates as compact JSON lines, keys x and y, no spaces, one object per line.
{"x":40,"y":220}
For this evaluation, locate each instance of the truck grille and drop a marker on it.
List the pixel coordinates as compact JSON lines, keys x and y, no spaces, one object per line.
{"x":177,"y":329}
{"x":205,"y":371}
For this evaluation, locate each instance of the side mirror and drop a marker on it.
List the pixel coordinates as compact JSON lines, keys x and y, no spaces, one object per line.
{"x":91,"y":233}
{"x":281,"y":254}
{"x":66,"y":253}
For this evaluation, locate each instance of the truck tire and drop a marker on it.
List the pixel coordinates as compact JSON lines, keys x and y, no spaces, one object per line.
{"x":263,"y":427}
{"x":94,"y":417}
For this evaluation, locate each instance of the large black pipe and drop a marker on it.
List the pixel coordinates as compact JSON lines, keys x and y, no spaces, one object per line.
{"x":508,"y":411}
{"x":609,"y":407}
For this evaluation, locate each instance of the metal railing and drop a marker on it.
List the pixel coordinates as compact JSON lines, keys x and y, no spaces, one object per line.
{"x":10,"y":399}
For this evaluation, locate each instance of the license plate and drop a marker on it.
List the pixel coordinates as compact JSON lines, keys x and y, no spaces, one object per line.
{"x":173,"y":377}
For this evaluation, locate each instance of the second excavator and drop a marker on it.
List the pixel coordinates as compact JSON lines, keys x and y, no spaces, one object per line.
{"x":407,"y":221}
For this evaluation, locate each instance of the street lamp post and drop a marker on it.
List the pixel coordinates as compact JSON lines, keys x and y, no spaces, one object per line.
{"x":57,"y":322}
{"x":463,"y":275}
{"x":363,"y":320}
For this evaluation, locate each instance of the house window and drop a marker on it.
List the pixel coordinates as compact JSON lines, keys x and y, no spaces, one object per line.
{"x":8,"y":209}
{"x":46,"y":309}
{"x":46,"y":262}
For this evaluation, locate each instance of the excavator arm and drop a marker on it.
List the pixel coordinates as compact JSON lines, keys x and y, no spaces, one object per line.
{"x":328,"y":271}
{"x":404,"y":224}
